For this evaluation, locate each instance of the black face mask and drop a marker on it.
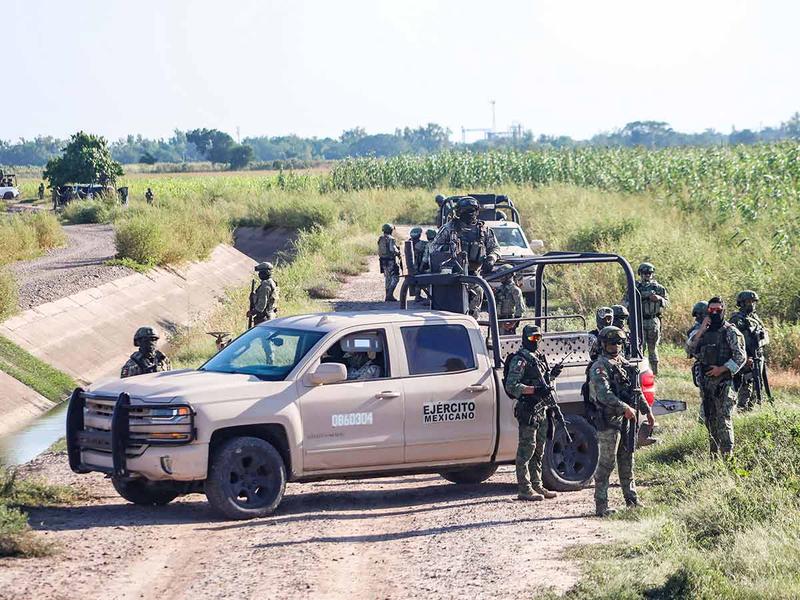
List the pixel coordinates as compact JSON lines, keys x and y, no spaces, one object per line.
{"x":470,"y":217}
{"x":148,"y":347}
{"x":716,"y":320}
{"x":619,"y":323}
{"x":749,"y":309}
{"x":530,"y":346}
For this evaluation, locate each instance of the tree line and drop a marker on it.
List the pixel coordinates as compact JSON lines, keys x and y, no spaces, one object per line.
{"x":219,"y":147}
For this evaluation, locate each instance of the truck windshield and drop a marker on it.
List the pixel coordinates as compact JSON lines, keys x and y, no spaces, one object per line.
{"x":269,"y":353}
{"x":509,"y":236}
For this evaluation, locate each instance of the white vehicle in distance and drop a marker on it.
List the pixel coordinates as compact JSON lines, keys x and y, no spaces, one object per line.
{"x":8,"y":186}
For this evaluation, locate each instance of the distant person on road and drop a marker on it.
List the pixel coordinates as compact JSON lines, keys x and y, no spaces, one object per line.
{"x":527,"y":382}
{"x":720,"y":349}
{"x":264,"y":303}
{"x":611,"y":380}
{"x":149,"y":196}
{"x":388,"y":257}
{"x":41,"y":191}
{"x":147,"y":359}
{"x":654,"y":301}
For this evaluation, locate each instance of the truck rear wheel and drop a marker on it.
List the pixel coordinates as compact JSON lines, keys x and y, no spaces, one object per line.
{"x":247,"y":478}
{"x":146,"y":493}
{"x":477,"y":474}
{"x":566,"y":466}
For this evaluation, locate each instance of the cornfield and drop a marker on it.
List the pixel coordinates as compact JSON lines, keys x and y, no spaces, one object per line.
{"x":752,"y":181}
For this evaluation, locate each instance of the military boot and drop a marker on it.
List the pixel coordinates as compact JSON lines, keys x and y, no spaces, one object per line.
{"x":529,"y":495}
{"x":602,"y":510}
{"x":390,"y":297}
{"x":633,"y":503}
{"x":544,"y":492}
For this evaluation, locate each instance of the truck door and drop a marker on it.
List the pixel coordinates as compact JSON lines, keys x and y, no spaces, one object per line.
{"x":449,"y":394}
{"x":358,"y":422}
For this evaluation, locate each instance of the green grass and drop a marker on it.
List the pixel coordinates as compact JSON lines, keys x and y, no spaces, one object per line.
{"x":16,"y":537}
{"x":710,"y":529}
{"x":26,"y":368}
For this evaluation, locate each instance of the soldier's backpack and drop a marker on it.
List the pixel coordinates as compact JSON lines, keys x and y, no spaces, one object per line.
{"x":384,"y":247}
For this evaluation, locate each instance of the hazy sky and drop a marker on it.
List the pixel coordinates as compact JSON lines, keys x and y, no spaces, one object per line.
{"x":319,"y":67}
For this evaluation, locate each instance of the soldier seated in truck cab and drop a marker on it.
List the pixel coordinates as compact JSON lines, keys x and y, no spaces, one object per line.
{"x":362,"y":354}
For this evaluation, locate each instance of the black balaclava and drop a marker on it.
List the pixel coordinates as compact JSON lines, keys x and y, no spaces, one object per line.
{"x":148,"y":347}
{"x":717,"y":319}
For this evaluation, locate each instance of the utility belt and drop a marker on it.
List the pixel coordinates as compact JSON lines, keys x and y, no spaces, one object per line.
{"x":528,"y":409}
{"x":702,"y":368}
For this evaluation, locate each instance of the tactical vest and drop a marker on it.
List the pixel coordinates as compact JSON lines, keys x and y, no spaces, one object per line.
{"x":753,"y":330}
{"x":419,"y":250}
{"x":530,"y":376}
{"x":505,"y":301}
{"x":473,"y":242}
{"x":713,"y":348}
{"x":650,"y":308}
{"x":386,"y":246}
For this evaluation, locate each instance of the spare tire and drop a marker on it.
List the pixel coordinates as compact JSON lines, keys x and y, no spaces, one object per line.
{"x":476,"y":474}
{"x":567,"y":467}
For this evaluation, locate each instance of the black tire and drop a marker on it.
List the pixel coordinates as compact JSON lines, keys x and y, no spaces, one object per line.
{"x":570,"y":467}
{"x":247,"y":478}
{"x":8,"y":196}
{"x":145,"y":493}
{"x":477,"y":474}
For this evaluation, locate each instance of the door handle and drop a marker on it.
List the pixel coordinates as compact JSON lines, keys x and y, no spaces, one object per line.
{"x":387,"y":395}
{"x":477,"y":387}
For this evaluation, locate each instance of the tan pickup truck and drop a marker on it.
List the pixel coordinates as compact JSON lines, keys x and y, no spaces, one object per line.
{"x":322,"y":396}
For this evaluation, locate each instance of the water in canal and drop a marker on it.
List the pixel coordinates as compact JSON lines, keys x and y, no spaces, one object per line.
{"x":25,"y":444}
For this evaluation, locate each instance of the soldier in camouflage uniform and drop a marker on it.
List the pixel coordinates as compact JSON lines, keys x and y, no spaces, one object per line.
{"x":149,"y":196}
{"x":418,"y":247}
{"x":719,"y":348}
{"x":524,"y":382}
{"x":466,"y":234}
{"x":603,"y":317}
{"x":610,"y":380}
{"x":361,"y":365}
{"x":146,"y":359}
{"x":430,"y":235}
{"x":654,"y":300}
{"x":699,"y":313}
{"x":510,"y":303}
{"x":388,"y":254}
{"x":756,"y":338}
{"x":264,"y":304}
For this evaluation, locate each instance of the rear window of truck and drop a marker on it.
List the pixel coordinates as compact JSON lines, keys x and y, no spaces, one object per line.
{"x":435,"y":349}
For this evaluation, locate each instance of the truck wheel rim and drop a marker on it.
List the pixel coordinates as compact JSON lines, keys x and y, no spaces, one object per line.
{"x":251,"y":481}
{"x":572,"y":461}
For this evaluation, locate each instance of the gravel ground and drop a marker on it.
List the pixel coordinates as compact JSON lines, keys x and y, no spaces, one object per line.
{"x":65,"y":271}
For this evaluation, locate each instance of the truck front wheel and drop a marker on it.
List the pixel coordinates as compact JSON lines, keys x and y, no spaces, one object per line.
{"x":568,"y":467}
{"x":477,"y":474}
{"x":247,"y":478}
{"x":147,"y":493}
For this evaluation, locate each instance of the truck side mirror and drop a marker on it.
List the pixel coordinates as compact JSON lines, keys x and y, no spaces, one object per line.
{"x":327,"y":373}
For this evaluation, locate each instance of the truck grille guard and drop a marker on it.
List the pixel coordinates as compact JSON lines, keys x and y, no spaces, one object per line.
{"x":123,"y":435}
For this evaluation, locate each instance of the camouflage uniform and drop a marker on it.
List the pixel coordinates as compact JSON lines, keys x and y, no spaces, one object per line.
{"x":140,"y":363}
{"x":264,"y":303}
{"x":387,"y":256}
{"x":651,"y":313}
{"x":608,"y":380}
{"x":359,"y":368}
{"x":718,"y":347}
{"x":510,"y":305}
{"x":755,"y":338}
{"x":480,"y":246}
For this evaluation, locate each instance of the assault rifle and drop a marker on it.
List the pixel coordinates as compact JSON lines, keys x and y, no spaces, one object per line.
{"x":631,"y":395}
{"x":551,"y":400}
{"x":251,"y":311}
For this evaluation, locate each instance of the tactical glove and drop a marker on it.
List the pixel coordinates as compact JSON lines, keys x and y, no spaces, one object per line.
{"x":556,"y":371}
{"x":488,"y":264}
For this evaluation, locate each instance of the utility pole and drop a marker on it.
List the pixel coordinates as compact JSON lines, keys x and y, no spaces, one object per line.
{"x":494,"y":120}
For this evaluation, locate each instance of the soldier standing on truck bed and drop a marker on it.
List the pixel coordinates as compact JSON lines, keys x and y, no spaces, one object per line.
{"x":388,"y":257}
{"x":752,"y":379}
{"x":614,"y":396}
{"x":264,"y":300}
{"x":719,"y":348}
{"x":526,"y":379}
{"x":147,"y":359}
{"x":654,"y":300}
{"x":510,"y":303}
{"x":465,"y":235}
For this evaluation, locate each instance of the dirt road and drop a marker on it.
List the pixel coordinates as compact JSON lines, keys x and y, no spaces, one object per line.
{"x":64,"y":271}
{"x":397,"y":537}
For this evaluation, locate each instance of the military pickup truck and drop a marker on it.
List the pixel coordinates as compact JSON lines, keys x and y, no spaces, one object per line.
{"x":336,"y":395}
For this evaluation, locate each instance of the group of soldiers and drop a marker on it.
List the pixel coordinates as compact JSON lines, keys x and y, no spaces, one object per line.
{"x":263,"y":307}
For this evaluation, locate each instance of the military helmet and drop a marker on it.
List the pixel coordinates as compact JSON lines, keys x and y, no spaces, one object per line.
{"x":602,"y":314}
{"x":439,"y":199}
{"x":646,"y":267}
{"x":467,"y":204}
{"x":530,"y":331}
{"x":620,"y":312}
{"x":744,"y":296}
{"x":699,"y":309}
{"x":263,"y":266}
{"x":387,"y":228}
{"x":144,"y":333}
{"x":503,"y":271}
{"x":611,"y":334}
{"x":430,"y":234}
{"x":415,"y":232}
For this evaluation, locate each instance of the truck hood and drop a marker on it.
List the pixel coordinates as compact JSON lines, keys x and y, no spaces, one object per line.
{"x":189,"y":385}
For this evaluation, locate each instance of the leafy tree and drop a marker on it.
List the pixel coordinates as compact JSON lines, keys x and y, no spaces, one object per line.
{"x":147,"y":159}
{"x":86,"y":159}
{"x":213,"y":144}
{"x":241,"y":155}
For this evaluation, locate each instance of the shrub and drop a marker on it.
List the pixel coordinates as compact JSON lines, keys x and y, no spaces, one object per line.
{"x":8,"y":294}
